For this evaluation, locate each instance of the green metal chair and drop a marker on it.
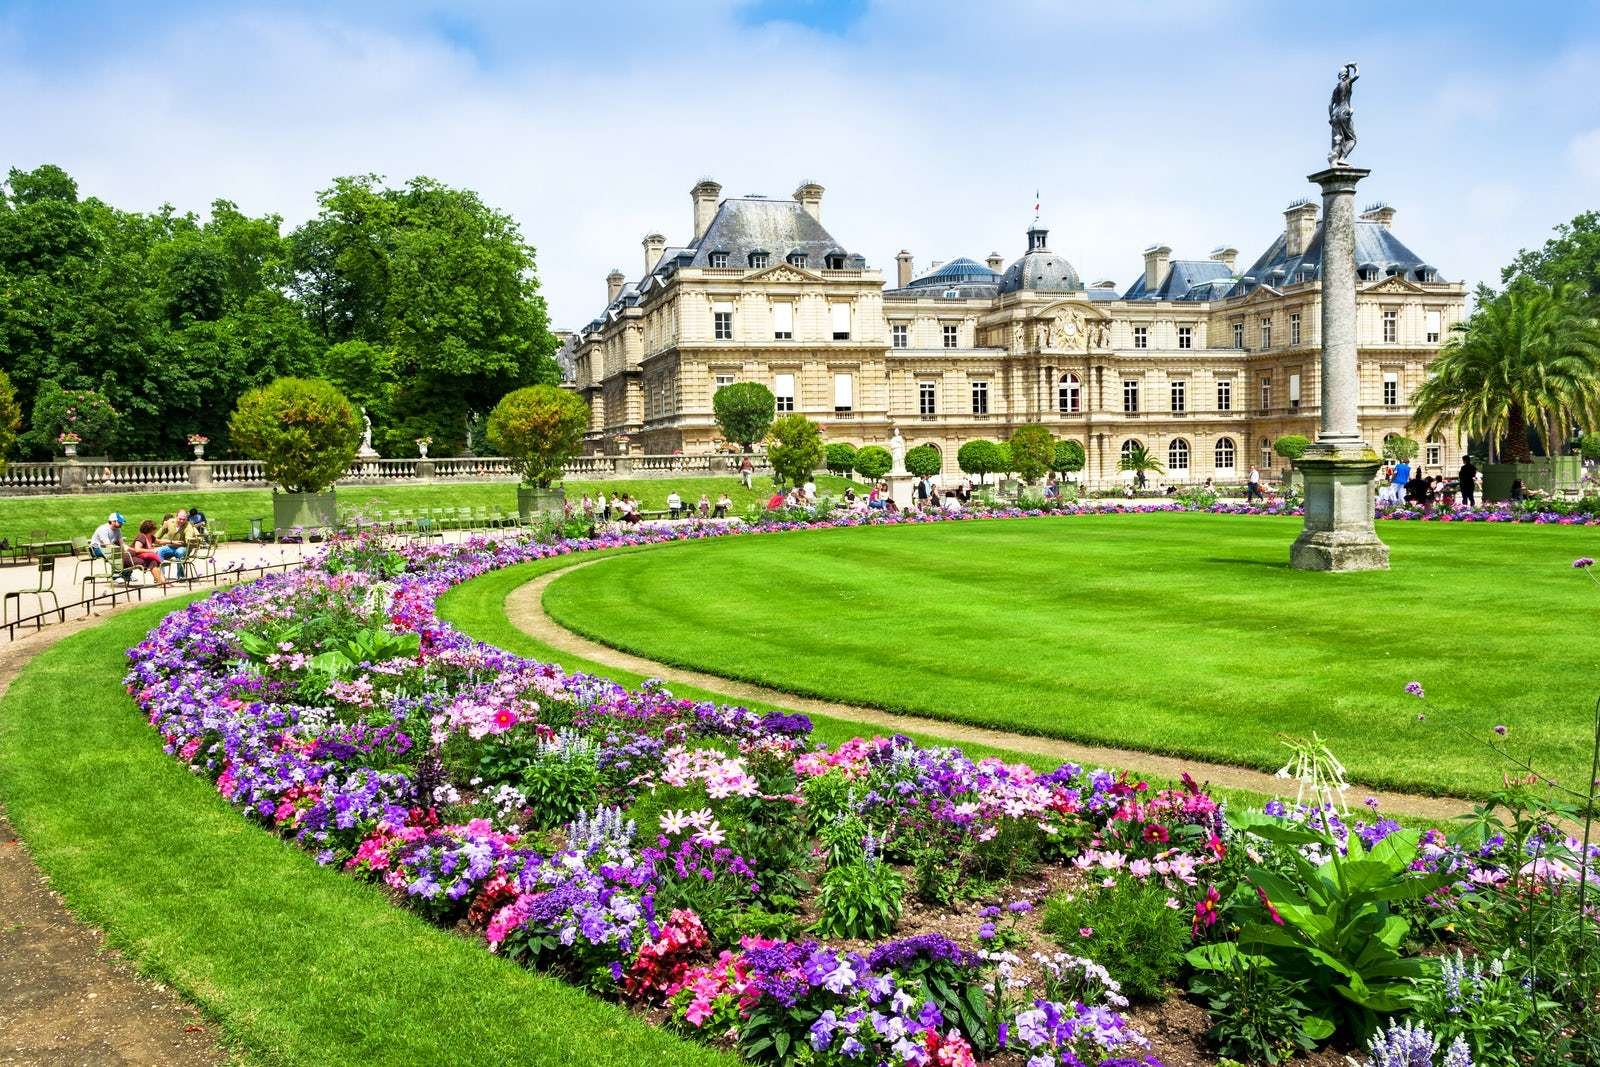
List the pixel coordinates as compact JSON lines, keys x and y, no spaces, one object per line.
{"x":44,"y":588}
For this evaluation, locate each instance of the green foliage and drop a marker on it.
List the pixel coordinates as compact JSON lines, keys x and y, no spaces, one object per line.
{"x":559,"y":779}
{"x":1291,"y":446}
{"x":924,"y":461}
{"x":873,"y":462}
{"x":1398,"y":448}
{"x":794,"y":448}
{"x":1589,"y":447}
{"x":978,"y":457}
{"x":538,"y":429}
{"x":1033,"y":451}
{"x":10,"y":417}
{"x":859,"y":900}
{"x":1140,"y":460}
{"x":1006,"y":462}
{"x":1256,"y":1015}
{"x":1196,"y":496}
{"x":840,"y":458}
{"x":81,"y":411}
{"x":1487,"y":1003}
{"x":1131,"y":932}
{"x":303,"y":430}
{"x":744,"y":411}
{"x":370,"y":377}
{"x":1069,"y":456}
{"x":1571,"y":257}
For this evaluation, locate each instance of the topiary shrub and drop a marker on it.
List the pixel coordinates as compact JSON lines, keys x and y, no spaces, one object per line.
{"x":744,"y":411}
{"x":794,"y":448}
{"x":924,"y":461}
{"x":302,"y":430}
{"x":840,"y":458}
{"x":1400,"y":448}
{"x":10,"y":417}
{"x":1033,"y":450}
{"x":538,"y":429}
{"x":1069,"y":456}
{"x":1005,"y":464}
{"x":978,"y":457}
{"x":873,"y":462}
{"x":1291,"y":446}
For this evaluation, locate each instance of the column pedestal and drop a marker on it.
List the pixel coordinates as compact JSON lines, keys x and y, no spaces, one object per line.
{"x":1339,"y":533}
{"x":902,"y":490}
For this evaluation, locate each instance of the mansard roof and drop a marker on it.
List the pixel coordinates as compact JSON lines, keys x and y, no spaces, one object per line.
{"x":1377,"y":248}
{"x":1186,"y":279}
{"x":781,"y":228}
{"x":960,"y":279}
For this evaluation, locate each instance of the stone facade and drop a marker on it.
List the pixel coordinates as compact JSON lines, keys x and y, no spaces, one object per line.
{"x":1196,"y":359}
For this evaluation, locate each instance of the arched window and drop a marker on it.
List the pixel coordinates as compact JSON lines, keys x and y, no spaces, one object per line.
{"x":1225,"y":454}
{"x":1266,"y":451}
{"x":1128,"y":446}
{"x":1069,"y":394}
{"x":1178,"y":455}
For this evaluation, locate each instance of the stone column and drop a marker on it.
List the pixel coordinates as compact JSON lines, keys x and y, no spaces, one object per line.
{"x":1339,"y":466}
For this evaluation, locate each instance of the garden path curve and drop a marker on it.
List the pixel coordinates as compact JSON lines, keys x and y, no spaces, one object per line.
{"x":525,"y":608}
{"x":64,"y":997}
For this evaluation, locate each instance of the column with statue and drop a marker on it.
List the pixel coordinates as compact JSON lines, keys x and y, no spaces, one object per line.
{"x":1340,"y":466}
{"x":902,"y":486}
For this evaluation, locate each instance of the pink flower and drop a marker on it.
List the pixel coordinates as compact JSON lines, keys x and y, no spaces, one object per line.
{"x":1085,"y":931}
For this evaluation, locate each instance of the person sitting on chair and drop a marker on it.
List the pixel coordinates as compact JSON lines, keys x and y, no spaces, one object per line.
{"x":106,"y":543}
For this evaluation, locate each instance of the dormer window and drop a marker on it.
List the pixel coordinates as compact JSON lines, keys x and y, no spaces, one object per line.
{"x":718,"y":259}
{"x":1368,"y":273}
{"x":797,"y":259}
{"x":758,"y":260}
{"x":835,"y":261}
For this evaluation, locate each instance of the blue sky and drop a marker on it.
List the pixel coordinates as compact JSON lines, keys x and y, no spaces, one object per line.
{"x":930,"y":124}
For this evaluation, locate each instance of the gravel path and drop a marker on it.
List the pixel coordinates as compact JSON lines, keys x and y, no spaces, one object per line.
{"x":524,"y":606}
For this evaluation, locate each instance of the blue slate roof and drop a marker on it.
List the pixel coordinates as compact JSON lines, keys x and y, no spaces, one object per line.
{"x":1186,"y":279}
{"x":779,"y":228}
{"x":1377,"y":248}
{"x":959,"y":279}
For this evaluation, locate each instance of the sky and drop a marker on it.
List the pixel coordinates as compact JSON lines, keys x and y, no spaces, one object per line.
{"x":932,"y":126}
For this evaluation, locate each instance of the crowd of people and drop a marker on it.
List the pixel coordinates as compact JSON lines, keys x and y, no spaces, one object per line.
{"x":155,"y":549}
{"x":1402,"y":484}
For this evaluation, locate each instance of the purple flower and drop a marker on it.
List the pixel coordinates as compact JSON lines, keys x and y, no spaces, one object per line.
{"x":1500,"y":729}
{"x":1582,"y":563}
{"x":1415,"y":689}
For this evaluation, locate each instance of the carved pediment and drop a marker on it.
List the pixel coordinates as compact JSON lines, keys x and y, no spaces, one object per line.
{"x":1073,"y":326}
{"x":1394,"y":284}
{"x":783,"y":272}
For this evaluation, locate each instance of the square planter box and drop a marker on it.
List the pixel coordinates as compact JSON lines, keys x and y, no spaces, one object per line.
{"x":537,"y":504}
{"x":1549,"y":475}
{"x":314,"y":513}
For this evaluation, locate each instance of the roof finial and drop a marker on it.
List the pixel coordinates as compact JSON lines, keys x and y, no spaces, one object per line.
{"x":1036,"y":202}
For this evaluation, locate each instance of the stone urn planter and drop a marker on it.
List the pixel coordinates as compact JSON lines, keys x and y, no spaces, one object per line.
{"x":199,"y":451}
{"x":534,"y":505}
{"x":69,"y":449}
{"x":422,"y":449}
{"x":311,"y":513}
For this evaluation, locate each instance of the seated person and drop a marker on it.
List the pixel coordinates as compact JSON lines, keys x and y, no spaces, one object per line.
{"x":106,"y":543}
{"x":197,"y":519}
{"x":147,"y":551}
{"x":177,"y":538}
{"x":724,"y":502}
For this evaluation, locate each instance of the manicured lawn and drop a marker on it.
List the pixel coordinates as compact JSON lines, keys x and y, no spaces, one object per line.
{"x":298,"y":964}
{"x":231,"y":510}
{"x":1185,"y":634}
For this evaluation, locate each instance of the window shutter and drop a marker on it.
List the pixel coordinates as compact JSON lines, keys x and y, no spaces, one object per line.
{"x":783,"y":385}
{"x":1391,"y":376}
{"x":1294,"y":388}
{"x":843,"y":390}
{"x":723,"y":307}
{"x":783,"y":318}
{"x":841,"y":317}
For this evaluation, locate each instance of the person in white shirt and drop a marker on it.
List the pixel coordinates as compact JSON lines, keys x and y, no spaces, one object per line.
{"x":674,"y":504}
{"x":604,"y":506}
{"x":106,"y":543}
{"x":1252,"y":489}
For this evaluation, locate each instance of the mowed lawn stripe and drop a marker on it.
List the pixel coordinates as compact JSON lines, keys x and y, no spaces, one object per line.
{"x":1184,"y":634}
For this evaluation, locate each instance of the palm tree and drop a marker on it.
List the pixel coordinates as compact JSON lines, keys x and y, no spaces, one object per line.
{"x":1529,"y":355}
{"x":1139,"y":460}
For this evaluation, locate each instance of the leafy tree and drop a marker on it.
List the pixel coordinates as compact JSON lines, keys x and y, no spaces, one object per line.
{"x":1528,"y":358}
{"x":81,"y":411}
{"x":303,"y":430}
{"x":978,"y":457}
{"x":1291,"y":446}
{"x":840,"y":458}
{"x":1069,"y":456}
{"x":744,"y":410}
{"x":924,"y":461}
{"x":10,"y":417}
{"x":1140,"y":461}
{"x":539,"y":428}
{"x":794,"y":448}
{"x":1572,"y":257}
{"x":1400,"y":448}
{"x":1589,"y":447}
{"x":1033,"y":450}
{"x":873,"y":462}
{"x":1005,"y":462}
{"x":368,"y":375}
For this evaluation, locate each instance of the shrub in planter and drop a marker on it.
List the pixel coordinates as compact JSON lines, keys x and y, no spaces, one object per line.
{"x":924,"y":461}
{"x":1291,"y":446}
{"x":1069,"y":457}
{"x":794,"y":448}
{"x":873,"y":462}
{"x":305,"y":433}
{"x":978,"y":457}
{"x":538,"y":429}
{"x":841,"y":458}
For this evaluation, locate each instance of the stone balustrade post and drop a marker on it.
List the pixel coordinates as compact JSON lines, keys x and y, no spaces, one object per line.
{"x":425,"y":470}
{"x":71,"y":475}
{"x":200,"y":474}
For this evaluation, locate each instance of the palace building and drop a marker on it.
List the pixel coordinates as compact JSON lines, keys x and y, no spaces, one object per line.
{"x":1202,"y":362}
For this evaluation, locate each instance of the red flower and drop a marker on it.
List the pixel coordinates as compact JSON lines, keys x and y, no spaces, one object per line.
{"x":1265,"y":903}
{"x":1156,"y":834}
{"x":1205,"y":911}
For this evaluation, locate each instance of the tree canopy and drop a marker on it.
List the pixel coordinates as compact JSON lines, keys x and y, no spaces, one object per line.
{"x":979,"y":457}
{"x":1571,"y":257}
{"x":539,"y":428}
{"x":873,"y":462}
{"x":1069,"y":456}
{"x":1033,"y":451}
{"x":744,"y":411}
{"x":924,"y":461}
{"x":794,"y":448}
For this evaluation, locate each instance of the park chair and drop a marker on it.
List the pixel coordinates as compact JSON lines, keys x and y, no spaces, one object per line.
{"x":480,"y":518}
{"x":90,"y":570}
{"x":44,"y":588}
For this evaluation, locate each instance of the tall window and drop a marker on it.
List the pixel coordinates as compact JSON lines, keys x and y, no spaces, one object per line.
{"x":783,"y":321}
{"x":1391,"y":327}
{"x":1178,"y":455}
{"x":1141,"y":337}
{"x":927,"y":403}
{"x":841,"y":321}
{"x":1185,"y":336}
{"x":1266,"y":334}
{"x":1130,"y":394}
{"x":1180,"y":394}
{"x":1294,"y":390}
{"x":719,"y":259}
{"x":1128,"y":446}
{"x":1238,"y":335}
{"x":1266,"y":452}
{"x":1266,"y":391}
{"x":843,"y":391}
{"x":980,"y":398}
{"x":722,"y":321}
{"x":1069,"y":395}
{"x":723,"y":381}
{"x":1294,"y":328}
{"x":1224,"y":394}
{"x":1225,"y":455}
{"x":900,"y":335}
{"x":1434,"y":452}
{"x":783,"y":389}
{"x":1391,"y":388}
{"x":952,"y":336}
{"x":1435,"y":323}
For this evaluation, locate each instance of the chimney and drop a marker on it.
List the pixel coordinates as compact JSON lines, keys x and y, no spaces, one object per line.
{"x":654,"y":245}
{"x":704,"y":195}
{"x":1380,"y":213}
{"x":1156,"y":258}
{"x":810,"y":196}
{"x":903,"y":261}
{"x":1299,"y":223}
{"x":614,"y":282}
{"x":1226,"y":256}
{"x":996,"y":262}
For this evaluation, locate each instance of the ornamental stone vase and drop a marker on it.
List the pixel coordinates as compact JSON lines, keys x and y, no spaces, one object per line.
{"x":314,"y":514}
{"x":199,"y":451}
{"x":422,"y":449}
{"x":69,"y":448}
{"x":536,"y":504}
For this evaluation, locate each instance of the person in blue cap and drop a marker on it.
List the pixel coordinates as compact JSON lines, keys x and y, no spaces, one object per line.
{"x":106,"y":543}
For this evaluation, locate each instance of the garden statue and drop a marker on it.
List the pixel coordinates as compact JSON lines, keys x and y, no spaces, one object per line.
{"x":897,"y":451}
{"x":1341,"y":116}
{"x":366,"y":451}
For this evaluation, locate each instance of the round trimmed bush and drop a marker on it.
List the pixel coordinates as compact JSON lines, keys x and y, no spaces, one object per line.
{"x":794,"y":448}
{"x":873,"y":462}
{"x":924,"y":461}
{"x":538,"y":429}
{"x":1033,"y":451}
{"x":1069,"y":456}
{"x":979,"y":457}
{"x":744,"y":410}
{"x":303,"y":431}
{"x":1291,"y":446}
{"x":840,"y":458}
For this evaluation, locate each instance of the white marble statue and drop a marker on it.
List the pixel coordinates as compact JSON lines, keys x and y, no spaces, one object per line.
{"x":897,"y":451}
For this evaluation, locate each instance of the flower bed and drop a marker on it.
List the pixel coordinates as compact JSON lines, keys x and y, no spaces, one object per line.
{"x":874,"y":902}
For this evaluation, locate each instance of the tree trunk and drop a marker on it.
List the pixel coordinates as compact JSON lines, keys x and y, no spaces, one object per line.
{"x":1517,"y":450}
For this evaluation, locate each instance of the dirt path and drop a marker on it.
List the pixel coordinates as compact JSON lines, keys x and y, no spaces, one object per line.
{"x":66,"y":999}
{"x":525,"y":608}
